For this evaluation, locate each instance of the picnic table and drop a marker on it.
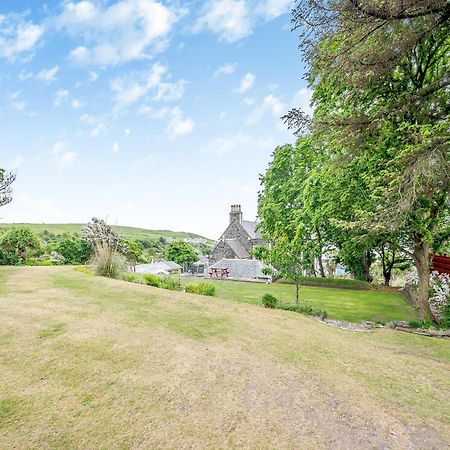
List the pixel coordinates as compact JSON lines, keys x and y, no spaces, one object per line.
{"x":219,"y":272}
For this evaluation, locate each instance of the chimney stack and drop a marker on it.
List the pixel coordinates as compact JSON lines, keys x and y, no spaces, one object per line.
{"x":236,"y":213}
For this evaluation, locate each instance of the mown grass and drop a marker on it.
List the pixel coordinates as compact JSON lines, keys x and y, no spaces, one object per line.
{"x":89,"y":362}
{"x":340,"y":304}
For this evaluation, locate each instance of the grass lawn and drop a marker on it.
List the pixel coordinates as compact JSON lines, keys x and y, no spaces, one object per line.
{"x":341,"y":304}
{"x":89,"y":362}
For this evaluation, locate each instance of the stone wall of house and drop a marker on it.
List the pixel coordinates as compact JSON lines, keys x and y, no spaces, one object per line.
{"x":236,"y":231}
{"x":220,"y":251}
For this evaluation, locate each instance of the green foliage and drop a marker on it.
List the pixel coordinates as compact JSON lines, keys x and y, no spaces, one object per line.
{"x":445,"y":321}
{"x":269,"y":301}
{"x":181,"y":252}
{"x":163,"y":283}
{"x":201,"y":289}
{"x":152,"y":280}
{"x":340,"y":283}
{"x":423,"y":324}
{"x":170,"y":284}
{"x":74,"y":249}
{"x":18,"y":244}
{"x":129,"y":277}
{"x":133,"y":252}
{"x":303,"y":309}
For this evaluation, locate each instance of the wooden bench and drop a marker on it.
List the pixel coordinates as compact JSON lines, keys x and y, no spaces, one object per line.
{"x":440,"y":264}
{"x":219,"y":272}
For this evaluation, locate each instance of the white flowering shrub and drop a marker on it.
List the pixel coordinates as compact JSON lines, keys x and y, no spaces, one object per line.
{"x":439,"y":290}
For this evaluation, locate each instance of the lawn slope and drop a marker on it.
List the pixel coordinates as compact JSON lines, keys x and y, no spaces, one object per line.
{"x":341,"y":304}
{"x":89,"y":362}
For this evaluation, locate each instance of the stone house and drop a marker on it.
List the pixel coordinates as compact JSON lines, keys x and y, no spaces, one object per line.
{"x":239,"y":238}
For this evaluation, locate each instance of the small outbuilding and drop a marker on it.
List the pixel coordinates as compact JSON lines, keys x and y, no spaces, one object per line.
{"x":159,"y":268}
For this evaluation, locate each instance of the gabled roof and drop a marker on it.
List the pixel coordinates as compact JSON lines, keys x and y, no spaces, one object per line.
{"x":237,"y":248}
{"x":250,"y":228}
{"x":172,"y":265}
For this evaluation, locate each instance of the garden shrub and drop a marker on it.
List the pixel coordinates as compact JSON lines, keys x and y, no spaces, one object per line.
{"x":170,"y":284}
{"x":108,"y":263}
{"x":130,"y":277}
{"x":424,"y":324}
{"x":151,"y":280}
{"x":303,"y":309}
{"x":269,"y":301}
{"x":201,"y":289}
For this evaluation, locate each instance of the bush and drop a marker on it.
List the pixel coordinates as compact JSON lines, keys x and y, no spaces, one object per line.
{"x":269,"y":301}
{"x":108,"y":263}
{"x":338,"y":283}
{"x":171,"y":284}
{"x":424,"y":324}
{"x":201,"y":289}
{"x":152,"y":280}
{"x":303,"y":309}
{"x":130,"y":277}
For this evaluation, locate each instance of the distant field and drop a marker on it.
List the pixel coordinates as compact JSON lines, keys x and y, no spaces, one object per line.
{"x":341,"y":304}
{"x":89,"y":363}
{"x":130,"y":233}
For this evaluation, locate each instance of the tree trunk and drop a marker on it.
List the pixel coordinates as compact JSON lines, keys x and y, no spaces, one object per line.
{"x":365,"y":264}
{"x":387,"y":277}
{"x":297,"y":287}
{"x":422,"y":261}
{"x":322,"y":272}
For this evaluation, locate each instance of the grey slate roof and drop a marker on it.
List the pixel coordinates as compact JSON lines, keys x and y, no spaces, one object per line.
{"x":160,"y":267}
{"x":237,"y":248}
{"x":243,"y":268}
{"x":250,"y":228}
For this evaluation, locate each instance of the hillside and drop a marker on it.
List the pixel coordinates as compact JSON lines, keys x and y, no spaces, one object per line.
{"x":130,"y":233}
{"x":90,"y":362}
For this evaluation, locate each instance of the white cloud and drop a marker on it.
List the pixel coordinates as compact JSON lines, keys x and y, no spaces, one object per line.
{"x":62,"y":156}
{"x":16,"y":162}
{"x":247,"y":83}
{"x":302,"y":99}
{"x":97,"y":125}
{"x":230,"y":19}
{"x":238,"y":186}
{"x":126,"y":132}
{"x":270,"y":104}
{"x":116,"y":33}
{"x":48,"y":75}
{"x":226,"y":69}
{"x":272,"y":9}
{"x":128,"y":90}
{"x":115,"y":147}
{"x":224,"y":145}
{"x":177,"y":124}
{"x":62,"y":95}
{"x":39,"y":204}
{"x":93,"y":77}
{"x":77,"y":104}
{"x":18,"y":36}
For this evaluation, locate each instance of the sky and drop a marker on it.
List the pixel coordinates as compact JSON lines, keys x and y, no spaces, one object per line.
{"x":156,"y":114}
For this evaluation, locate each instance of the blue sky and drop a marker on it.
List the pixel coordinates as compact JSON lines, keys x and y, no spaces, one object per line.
{"x":151,"y":114}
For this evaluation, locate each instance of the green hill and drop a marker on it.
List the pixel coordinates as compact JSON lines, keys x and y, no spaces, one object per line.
{"x":130,"y":233}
